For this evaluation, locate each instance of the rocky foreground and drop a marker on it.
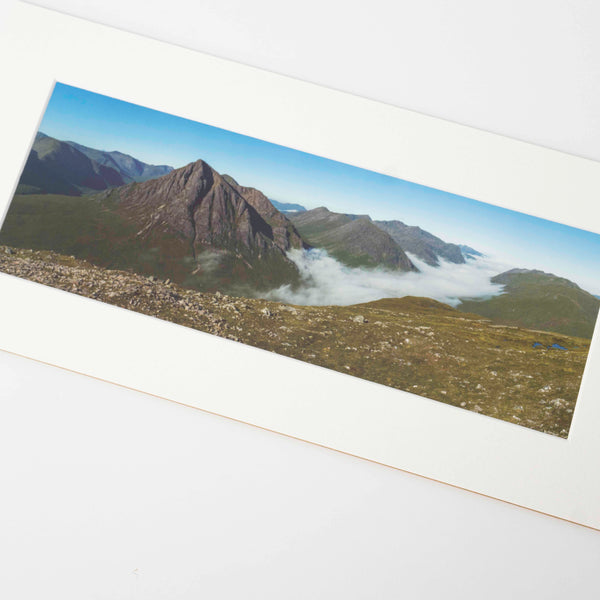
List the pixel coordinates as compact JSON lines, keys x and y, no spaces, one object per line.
{"x":526,"y":377}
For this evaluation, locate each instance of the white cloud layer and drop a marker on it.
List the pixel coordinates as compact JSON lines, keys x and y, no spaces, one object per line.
{"x":325,"y":281}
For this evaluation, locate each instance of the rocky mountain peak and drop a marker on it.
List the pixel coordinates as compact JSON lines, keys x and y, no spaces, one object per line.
{"x":285,"y":234}
{"x":208,"y":228}
{"x":195,"y":202}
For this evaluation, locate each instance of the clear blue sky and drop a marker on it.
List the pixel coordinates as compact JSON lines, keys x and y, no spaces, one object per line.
{"x":292,"y":176}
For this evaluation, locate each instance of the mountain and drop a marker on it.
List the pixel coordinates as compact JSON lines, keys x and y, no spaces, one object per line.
{"x":539,"y":300}
{"x":353,"y":239}
{"x":283,"y":207}
{"x":130,"y":168}
{"x":55,"y":167}
{"x":190,"y":226}
{"x":469,"y":252}
{"x":288,"y":207}
{"x":422,"y":244}
{"x":284,"y":232}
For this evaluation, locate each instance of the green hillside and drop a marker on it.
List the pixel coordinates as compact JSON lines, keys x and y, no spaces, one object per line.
{"x":94,"y":228}
{"x":539,"y":300}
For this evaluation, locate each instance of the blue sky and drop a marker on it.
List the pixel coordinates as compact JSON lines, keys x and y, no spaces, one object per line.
{"x":292,"y":176}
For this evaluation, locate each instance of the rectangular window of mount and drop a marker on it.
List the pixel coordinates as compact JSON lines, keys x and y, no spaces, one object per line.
{"x":446,"y":297}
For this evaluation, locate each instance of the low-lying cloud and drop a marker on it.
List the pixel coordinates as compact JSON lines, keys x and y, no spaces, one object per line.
{"x":326,"y":281}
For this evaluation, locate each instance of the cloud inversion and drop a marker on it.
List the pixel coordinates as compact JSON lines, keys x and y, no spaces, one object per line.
{"x":326,"y":281}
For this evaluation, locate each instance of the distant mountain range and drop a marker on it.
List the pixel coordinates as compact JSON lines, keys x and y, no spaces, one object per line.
{"x":421,"y":243}
{"x":57,"y":167}
{"x":538,"y":300}
{"x":205,"y":231}
{"x":130,"y":168}
{"x":353,"y":239}
{"x":357,"y":240}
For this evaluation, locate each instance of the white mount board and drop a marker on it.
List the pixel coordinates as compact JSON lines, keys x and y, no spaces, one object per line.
{"x":478,"y":453}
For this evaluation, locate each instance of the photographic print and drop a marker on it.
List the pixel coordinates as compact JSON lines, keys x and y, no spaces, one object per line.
{"x":449,"y":298}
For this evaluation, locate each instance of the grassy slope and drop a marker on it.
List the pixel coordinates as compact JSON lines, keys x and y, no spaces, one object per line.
{"x":414,"y":344}
{"x":91,"y":228}
{"x":82,"y":227}
{"x":38,"y":178}
{"x":540,"y":301}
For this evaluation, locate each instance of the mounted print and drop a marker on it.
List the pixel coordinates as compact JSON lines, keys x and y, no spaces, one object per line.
{"x":404,"y":285}
{"x":390,"y":285}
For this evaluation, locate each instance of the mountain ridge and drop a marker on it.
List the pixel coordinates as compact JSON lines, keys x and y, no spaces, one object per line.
{"x":283,"y":229}
{"x":55,"y":166}
{"x":539,"y":300}
{"x":421,"y":243}
{"x":130,"y":168}
{"x":352,"y":239}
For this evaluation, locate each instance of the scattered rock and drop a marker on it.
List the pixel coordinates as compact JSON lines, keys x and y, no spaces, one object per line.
{"x":448,"y":365}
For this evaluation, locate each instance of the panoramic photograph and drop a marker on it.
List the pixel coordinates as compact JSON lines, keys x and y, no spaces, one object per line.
{"x":458,"y":301}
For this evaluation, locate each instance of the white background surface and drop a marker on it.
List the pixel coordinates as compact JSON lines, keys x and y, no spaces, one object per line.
{"x":105,"y":481}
